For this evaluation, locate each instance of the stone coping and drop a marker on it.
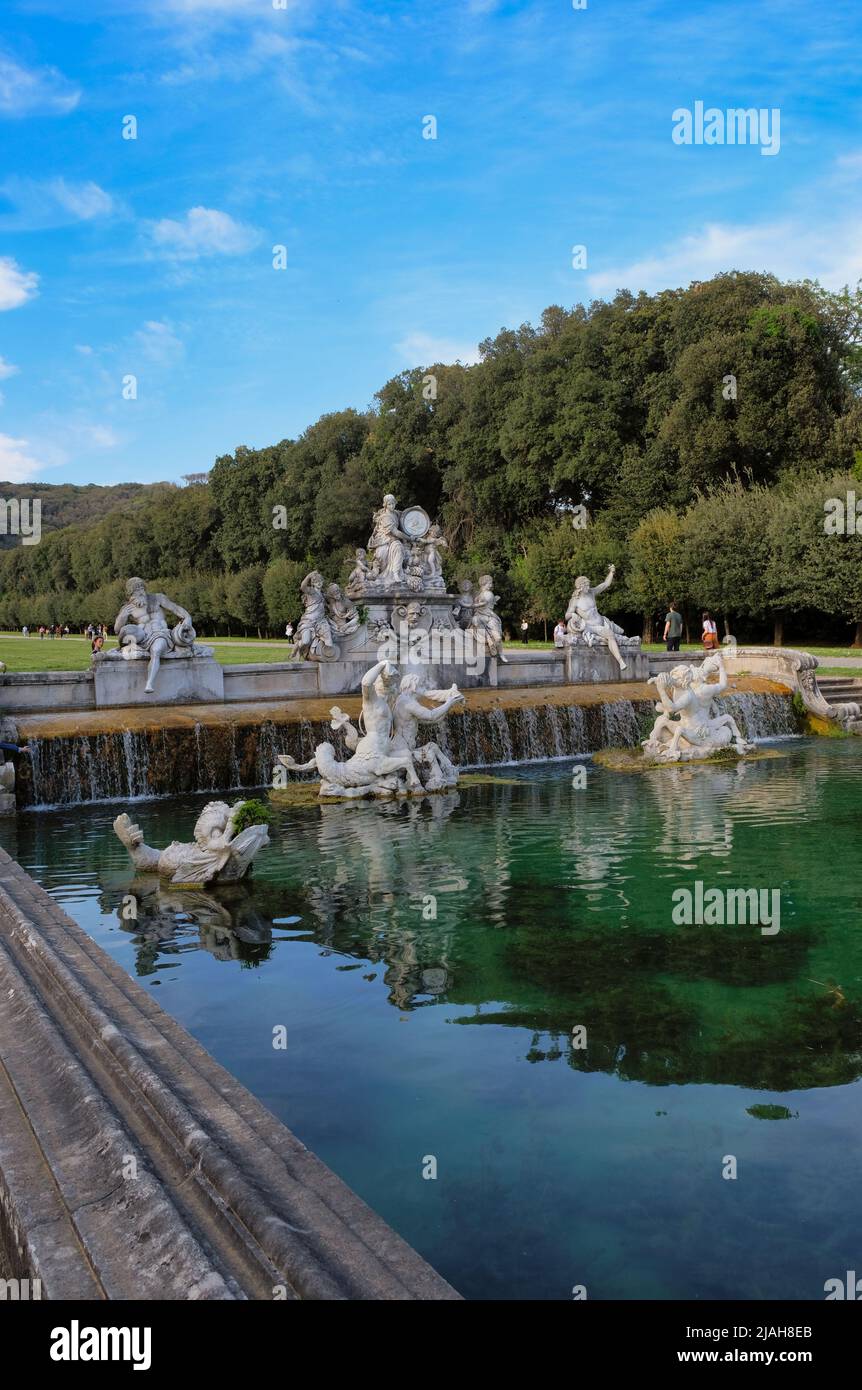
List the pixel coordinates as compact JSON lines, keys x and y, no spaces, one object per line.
{"x":96,"y":1078}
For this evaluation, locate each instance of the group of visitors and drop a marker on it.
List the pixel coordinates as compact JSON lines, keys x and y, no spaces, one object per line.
{"x":673,"y":630}
{"x":52,"y":630}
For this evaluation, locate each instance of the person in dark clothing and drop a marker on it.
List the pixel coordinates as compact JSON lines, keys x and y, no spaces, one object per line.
{"x":672,"y":628}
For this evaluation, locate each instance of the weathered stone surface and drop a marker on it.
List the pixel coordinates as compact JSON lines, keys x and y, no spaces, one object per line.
{"x":226,"y":1204}
{"x":182,"y":681}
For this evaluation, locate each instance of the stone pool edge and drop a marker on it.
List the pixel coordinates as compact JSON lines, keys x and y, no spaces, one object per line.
{"x":98,"y":1082}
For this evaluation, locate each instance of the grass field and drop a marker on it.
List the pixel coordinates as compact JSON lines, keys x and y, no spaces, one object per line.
{"x":73,"y":653}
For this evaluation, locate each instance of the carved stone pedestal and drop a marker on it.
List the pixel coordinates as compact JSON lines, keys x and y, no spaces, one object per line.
{"x":181,"y":680}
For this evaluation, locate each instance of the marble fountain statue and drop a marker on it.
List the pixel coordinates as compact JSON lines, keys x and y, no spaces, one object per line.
{"x":384,"y":759}
{"x":217,"y":855}
{"x":586,"y":625}
{"x":408,"y":616}
{"x":145,"y":635}
{"x":690,"y":725}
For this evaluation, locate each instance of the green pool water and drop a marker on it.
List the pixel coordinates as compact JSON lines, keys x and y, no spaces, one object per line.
{"x":412,"y":1036}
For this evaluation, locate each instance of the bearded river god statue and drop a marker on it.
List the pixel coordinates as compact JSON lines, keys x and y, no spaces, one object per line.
{"x":144,"y":633}
{"x":690,"y":725}
{"x":217,"y":855}
{"x":384,"y":759}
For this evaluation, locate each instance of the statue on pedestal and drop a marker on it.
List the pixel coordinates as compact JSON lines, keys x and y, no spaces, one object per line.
{"x":143,"y":630}
{"x":314,"y":634}
{"x":342,"y":611}
{"x":217,"y":854}
{"x":384,"y":761}
{"x":388,"y":546}
{"x":689,"y":725}
{"x":586,"y":624}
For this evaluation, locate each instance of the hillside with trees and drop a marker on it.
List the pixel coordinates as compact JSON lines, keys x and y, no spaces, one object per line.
{"x":701,"y":430}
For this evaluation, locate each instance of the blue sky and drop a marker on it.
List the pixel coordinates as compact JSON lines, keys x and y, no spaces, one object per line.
{"x":303,"y":127}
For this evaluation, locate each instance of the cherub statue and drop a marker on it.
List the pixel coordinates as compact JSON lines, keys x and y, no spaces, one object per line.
{"x":435,"y":541}
{"x":690,"y":725}
{"x":218,"y":853}
{"x":358,"y":580}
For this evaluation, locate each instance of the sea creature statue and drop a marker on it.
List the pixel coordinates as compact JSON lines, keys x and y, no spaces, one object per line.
{"x":218,"y":854}
{"x":143,"y":630}
{"x":586,"y":624}
{"x":384,"y":760}
{"x":689,"y":725}
{"x":314,"y":637}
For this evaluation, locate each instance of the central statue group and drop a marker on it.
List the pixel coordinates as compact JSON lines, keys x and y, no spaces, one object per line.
{"x":385,"y":760}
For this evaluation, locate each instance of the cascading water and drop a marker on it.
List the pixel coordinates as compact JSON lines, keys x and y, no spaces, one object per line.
{"x":230,"y":757}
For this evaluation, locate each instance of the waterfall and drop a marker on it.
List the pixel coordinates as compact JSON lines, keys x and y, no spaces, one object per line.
{"x":231,"y":757}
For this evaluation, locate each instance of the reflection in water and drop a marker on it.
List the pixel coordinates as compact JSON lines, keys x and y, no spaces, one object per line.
{"x":161,"y":918}
{"x":430,"y":960}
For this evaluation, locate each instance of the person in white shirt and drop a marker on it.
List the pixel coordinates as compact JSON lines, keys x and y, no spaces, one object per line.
{"x":560,"y":634}
{"x":710,"y":634}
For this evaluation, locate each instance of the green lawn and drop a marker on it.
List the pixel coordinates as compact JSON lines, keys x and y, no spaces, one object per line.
{"x":73,"y":653}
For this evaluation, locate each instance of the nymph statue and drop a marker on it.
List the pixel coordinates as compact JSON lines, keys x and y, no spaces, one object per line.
{"x":388,"y":542}
{"x":143,"y":630}
{"x":689,"y":724}
{"x":217,"y":854}
{"x":374,"y":767}
{"x":343,"y":613}
{"x":384,"y":760}
{"x":485,"y":621}
{"x":314,"y":634}
{"x":435,"y":769}
{"x":586,"y":624}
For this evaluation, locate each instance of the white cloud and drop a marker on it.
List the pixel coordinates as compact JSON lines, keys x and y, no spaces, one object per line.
{"x":421,"y":350}
{"x":24,"y":91}
{"x":202,"y":232}
{"x":16,"y":465}
{"x":41,"y":203}
{"x":7,"y":369}
{"x":158,"y":343}
{"x":16,"y":285}
{"x":793,"y":248}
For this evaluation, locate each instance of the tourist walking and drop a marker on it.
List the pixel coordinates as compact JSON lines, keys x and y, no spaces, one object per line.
{"x":710,"y":634}
{"x":560,"y":634}
{"x":672,"y":628}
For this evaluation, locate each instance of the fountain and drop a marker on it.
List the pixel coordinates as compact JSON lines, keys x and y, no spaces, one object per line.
{"x":689,"y":726}
{"x":220,"y":853}
{"x":385,"y":760}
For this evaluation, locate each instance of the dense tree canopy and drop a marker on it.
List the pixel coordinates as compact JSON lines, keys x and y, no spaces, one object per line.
{"x":701,"y":429}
